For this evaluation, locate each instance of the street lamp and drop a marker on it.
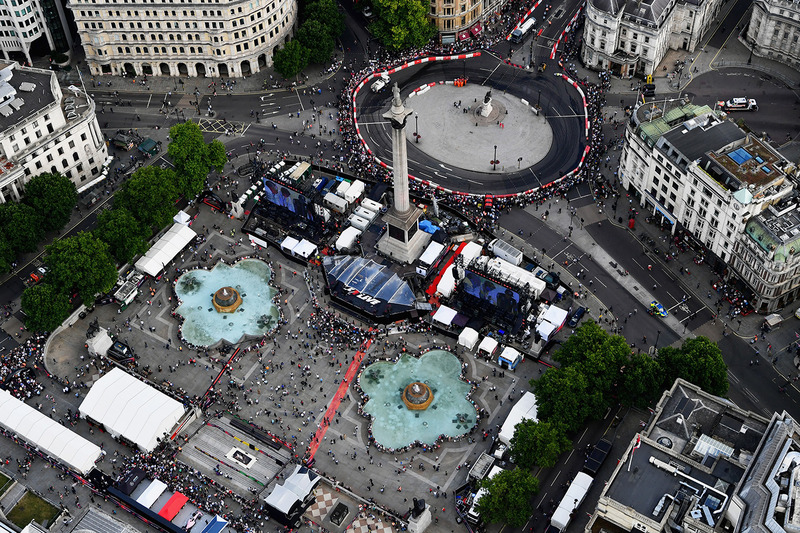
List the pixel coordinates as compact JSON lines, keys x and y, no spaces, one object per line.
{"x":519,"y":162}
{"x":658,"y":334}
{"x":416,"y":127}
{"x":494,"y":161}
{"x":539,"y":100}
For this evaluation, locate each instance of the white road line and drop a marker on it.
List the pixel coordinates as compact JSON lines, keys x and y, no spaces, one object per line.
{"x":561,"y":252}
{"x":490,"y":74}
{"x":148,"y":100}
{"x":750,"y":395}
{"x":732,"y":377}
{"x":555,"y":478}
{"x":299,"y":100}
{"x":601,"y":283}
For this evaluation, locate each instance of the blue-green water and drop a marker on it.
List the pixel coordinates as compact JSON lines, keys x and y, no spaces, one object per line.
{"x":203,"y":325}
{"x":394,"y":425}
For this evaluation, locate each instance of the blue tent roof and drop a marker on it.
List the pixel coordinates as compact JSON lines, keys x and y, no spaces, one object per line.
{"x":216,"y":525}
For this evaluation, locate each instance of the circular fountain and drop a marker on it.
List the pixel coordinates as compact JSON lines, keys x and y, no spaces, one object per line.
{"x":226,"y":300}
{"x":417,"y":399}
{"x":417,"y":396}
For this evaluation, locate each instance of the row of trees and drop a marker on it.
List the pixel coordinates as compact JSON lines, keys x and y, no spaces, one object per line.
{"x":597,"y":370}
{"x":85,"y":264}
{"x":47,"y":205}
{"x":321,"y":24}
{"x":402,"y":24}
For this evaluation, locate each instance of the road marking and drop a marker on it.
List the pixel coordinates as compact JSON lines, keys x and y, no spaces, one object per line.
{"x":750,"y":395}
{"x":490,"y":74}
{"x":148,"y":100}
{"x":732,"y":377}
{"x":600,"y":282}
{"x":299,"y":100}
{"x":444,"y":167}
{"x":555,"y":478}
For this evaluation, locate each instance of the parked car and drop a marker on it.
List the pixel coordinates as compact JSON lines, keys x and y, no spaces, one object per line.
{"x":656,"y":309}
{"x":576,"y":317}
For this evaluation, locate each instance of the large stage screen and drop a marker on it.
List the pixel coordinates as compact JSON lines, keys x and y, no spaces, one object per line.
{"x":504,"y":299}
{"x":282,"y":196}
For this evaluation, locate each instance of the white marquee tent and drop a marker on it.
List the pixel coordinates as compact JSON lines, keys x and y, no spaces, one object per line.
{"x":488,"y":345}
{"x":468,"y":338}
{"x":525,"y":409}
{"x":49,"y":436}
{"x":445,"y":315}
{"x":161,"y":253}
{"x":298,"y":486}
{"x":131,"y":409}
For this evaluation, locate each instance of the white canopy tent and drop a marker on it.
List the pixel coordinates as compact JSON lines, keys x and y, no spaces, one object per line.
{"x":289,"y":243}
{"x":99,"y":343}
{"x":304,"y":249}
{"x":161,"y":253}
{"x":182,"y":218}
{"x":511,"y":355}
{"x":445,"y":315}
{"x":294,"y":490}
{"x":488,"y":345}
{"x":151,"y":493}
{"x":545,"y":330}
{"x":131,"y":409}
{"x":525,"y":409}
{"x":468,"y":338}
{"x":60,"y":443}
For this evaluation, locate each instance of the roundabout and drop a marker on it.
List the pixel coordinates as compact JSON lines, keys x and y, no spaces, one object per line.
{"x":534,"y":136}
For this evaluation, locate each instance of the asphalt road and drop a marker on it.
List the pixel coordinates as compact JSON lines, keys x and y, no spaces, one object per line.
{"x":560,"y":102}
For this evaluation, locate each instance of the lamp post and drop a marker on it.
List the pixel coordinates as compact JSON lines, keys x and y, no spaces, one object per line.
{"x":658,"y":334}
{"x":416,"y":127}
{"x":539,"y":100}
{"x":519,"y":162}
{"x":494,"y":161}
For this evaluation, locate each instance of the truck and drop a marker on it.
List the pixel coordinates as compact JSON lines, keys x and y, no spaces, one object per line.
{"x":473,"y":516}
{"x":519,"y":34}
{"x":569,"y":504}
{"x":597,"y":457}
{"x":738,"y":104}
{"x":481,"y":467}
{"x":505,"y":251}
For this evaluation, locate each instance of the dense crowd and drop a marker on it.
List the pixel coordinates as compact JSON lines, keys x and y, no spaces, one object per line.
{"x":18,"y":368}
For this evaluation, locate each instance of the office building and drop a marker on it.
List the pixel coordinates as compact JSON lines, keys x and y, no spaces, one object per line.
{"x":43,"y":130}
{"x":696,"y":170}
{"x":232,"y":38}
{"x":459,"y":20}
{"x":630,"y":37}
{"x":774,"y":30}
{"x":22,"y":22}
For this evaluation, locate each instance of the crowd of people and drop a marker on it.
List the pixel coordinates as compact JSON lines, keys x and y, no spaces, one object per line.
{"x":18,"y":368}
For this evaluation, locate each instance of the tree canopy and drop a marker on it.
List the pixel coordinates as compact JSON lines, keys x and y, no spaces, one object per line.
{"x":290,"y":60}
{"x":149,"y":195}
{"x":565,"y":395}
{"x":193,"y":158}
{"x":402,"y":24}
{"x":698,"y":361}
{"x":21,"y":226}
{"x":52,"y":196}
{"x":507,"y":499}
{"x":314,"y":36}
{"x":538,"y":443}
{"x":125,"y":236}
{"x":82,"y":263}
{"x":46,"y":308}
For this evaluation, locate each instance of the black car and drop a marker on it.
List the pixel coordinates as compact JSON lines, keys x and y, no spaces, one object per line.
{"x":576,"y":317}
{"x":121,"y":353}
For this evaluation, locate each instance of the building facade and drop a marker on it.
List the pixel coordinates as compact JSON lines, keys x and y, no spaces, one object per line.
{"x":229,"y":38}
{"x":704,"y":465}
{"x":42,"y":130}
{"x":458,"y":20}
{"x":631,"y":37}
{"x":24,"y":21}
{"x":774,"y":30}
{"x":699,"y":172}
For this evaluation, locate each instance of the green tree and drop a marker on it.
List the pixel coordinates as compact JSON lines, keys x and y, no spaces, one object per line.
{"x":45,"y":307}
{"x":193,"y":158}
{"x":314,"y":36}
{"x":507,"y":499}
{"x":150,"y":195}
{"x":565,"y":395}
{"x":642,"y":381}
{"x":21,"y":226}
{"x":698,"y":361}
{"x":327,"y":13}
{"x":54,"y":197}
{"x":82,"y":263}
{"x":290,"y":60}
{"x":538,"y":443}
{"x":125,"y":236}
{"x":6,"y":254}
{"x":600,"y":356}
{"x":402,"y":24}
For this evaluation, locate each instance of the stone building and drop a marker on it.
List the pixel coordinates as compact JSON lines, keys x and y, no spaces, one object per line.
{"x":774,"y":30}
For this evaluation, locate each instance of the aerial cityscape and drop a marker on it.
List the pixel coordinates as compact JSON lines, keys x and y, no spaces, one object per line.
{"x":524,"y":266}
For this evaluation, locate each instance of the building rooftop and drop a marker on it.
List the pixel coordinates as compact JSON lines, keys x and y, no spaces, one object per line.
{"x":30,"y":91}
{"x":777,"y":230}
{"x":752,"y":163}
{"x":647,"y":11}
{"x":704,"y":133}
{"x":688,"y":462}
{"x":654,"y":119}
